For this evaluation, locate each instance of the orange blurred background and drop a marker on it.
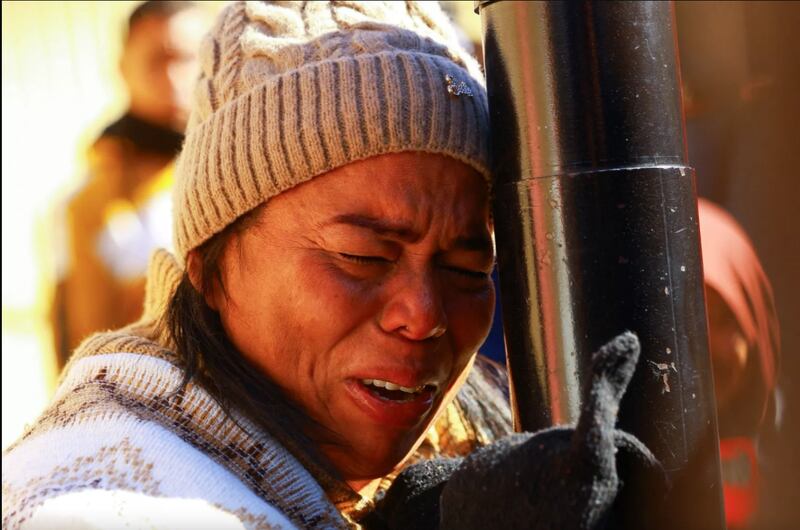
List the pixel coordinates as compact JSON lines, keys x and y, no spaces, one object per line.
{"x":60,"y":88}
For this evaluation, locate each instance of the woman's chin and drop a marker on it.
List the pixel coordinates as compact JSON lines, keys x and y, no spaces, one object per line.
{"x":372,"y":462}
{"x":371,"y":449}
{"x":370,"y":468}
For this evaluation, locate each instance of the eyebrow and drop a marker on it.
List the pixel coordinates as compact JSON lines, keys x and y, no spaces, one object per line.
{"x":402,"y":232}
{"x":379,"y":226}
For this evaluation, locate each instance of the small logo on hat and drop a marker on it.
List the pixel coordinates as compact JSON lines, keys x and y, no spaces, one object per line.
{"x":456,"y":87}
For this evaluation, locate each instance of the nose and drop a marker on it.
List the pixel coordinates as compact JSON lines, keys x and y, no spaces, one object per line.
{"x":416,"y":309}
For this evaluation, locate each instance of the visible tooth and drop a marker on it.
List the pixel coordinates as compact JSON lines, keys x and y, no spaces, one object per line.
{"x":392,"y":386}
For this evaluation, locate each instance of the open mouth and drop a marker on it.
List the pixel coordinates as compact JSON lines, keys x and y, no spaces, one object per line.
{"x":392,"y":405}
{"x":389,"y":391}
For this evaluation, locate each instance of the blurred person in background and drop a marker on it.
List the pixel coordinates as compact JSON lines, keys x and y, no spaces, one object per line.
{"x":745,"y":347}
{"x":739,"y":61}
{"x":121,"y":212}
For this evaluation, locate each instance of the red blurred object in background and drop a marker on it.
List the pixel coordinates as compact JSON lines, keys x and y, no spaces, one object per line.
{"x":740,"y":480}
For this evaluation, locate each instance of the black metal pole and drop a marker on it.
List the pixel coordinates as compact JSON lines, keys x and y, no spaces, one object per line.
{"x":597,"y":233}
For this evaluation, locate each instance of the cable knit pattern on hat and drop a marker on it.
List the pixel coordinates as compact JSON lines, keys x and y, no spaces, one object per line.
{"x":291,"y":90}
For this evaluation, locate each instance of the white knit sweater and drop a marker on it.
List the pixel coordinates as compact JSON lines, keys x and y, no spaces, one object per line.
{"x":135,"y":473}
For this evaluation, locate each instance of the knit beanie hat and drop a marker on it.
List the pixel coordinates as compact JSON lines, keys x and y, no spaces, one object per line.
{"x":291,"y":90}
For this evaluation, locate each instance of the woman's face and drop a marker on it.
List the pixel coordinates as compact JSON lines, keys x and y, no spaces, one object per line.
{"x":364,"y":294}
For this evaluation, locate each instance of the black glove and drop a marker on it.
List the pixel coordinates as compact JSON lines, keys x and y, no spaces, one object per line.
{"x":555,"y":478}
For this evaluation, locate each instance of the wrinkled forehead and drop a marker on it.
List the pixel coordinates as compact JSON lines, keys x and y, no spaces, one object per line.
{"x":413,"y":192}
{"x":407,"y":181}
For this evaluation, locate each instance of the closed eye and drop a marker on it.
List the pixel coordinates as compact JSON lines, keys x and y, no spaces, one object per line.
{"x":363,"y":259}
{"x":479,"y":275}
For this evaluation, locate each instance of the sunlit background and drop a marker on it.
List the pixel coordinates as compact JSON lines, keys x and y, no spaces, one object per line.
{"x":60,"y":88}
